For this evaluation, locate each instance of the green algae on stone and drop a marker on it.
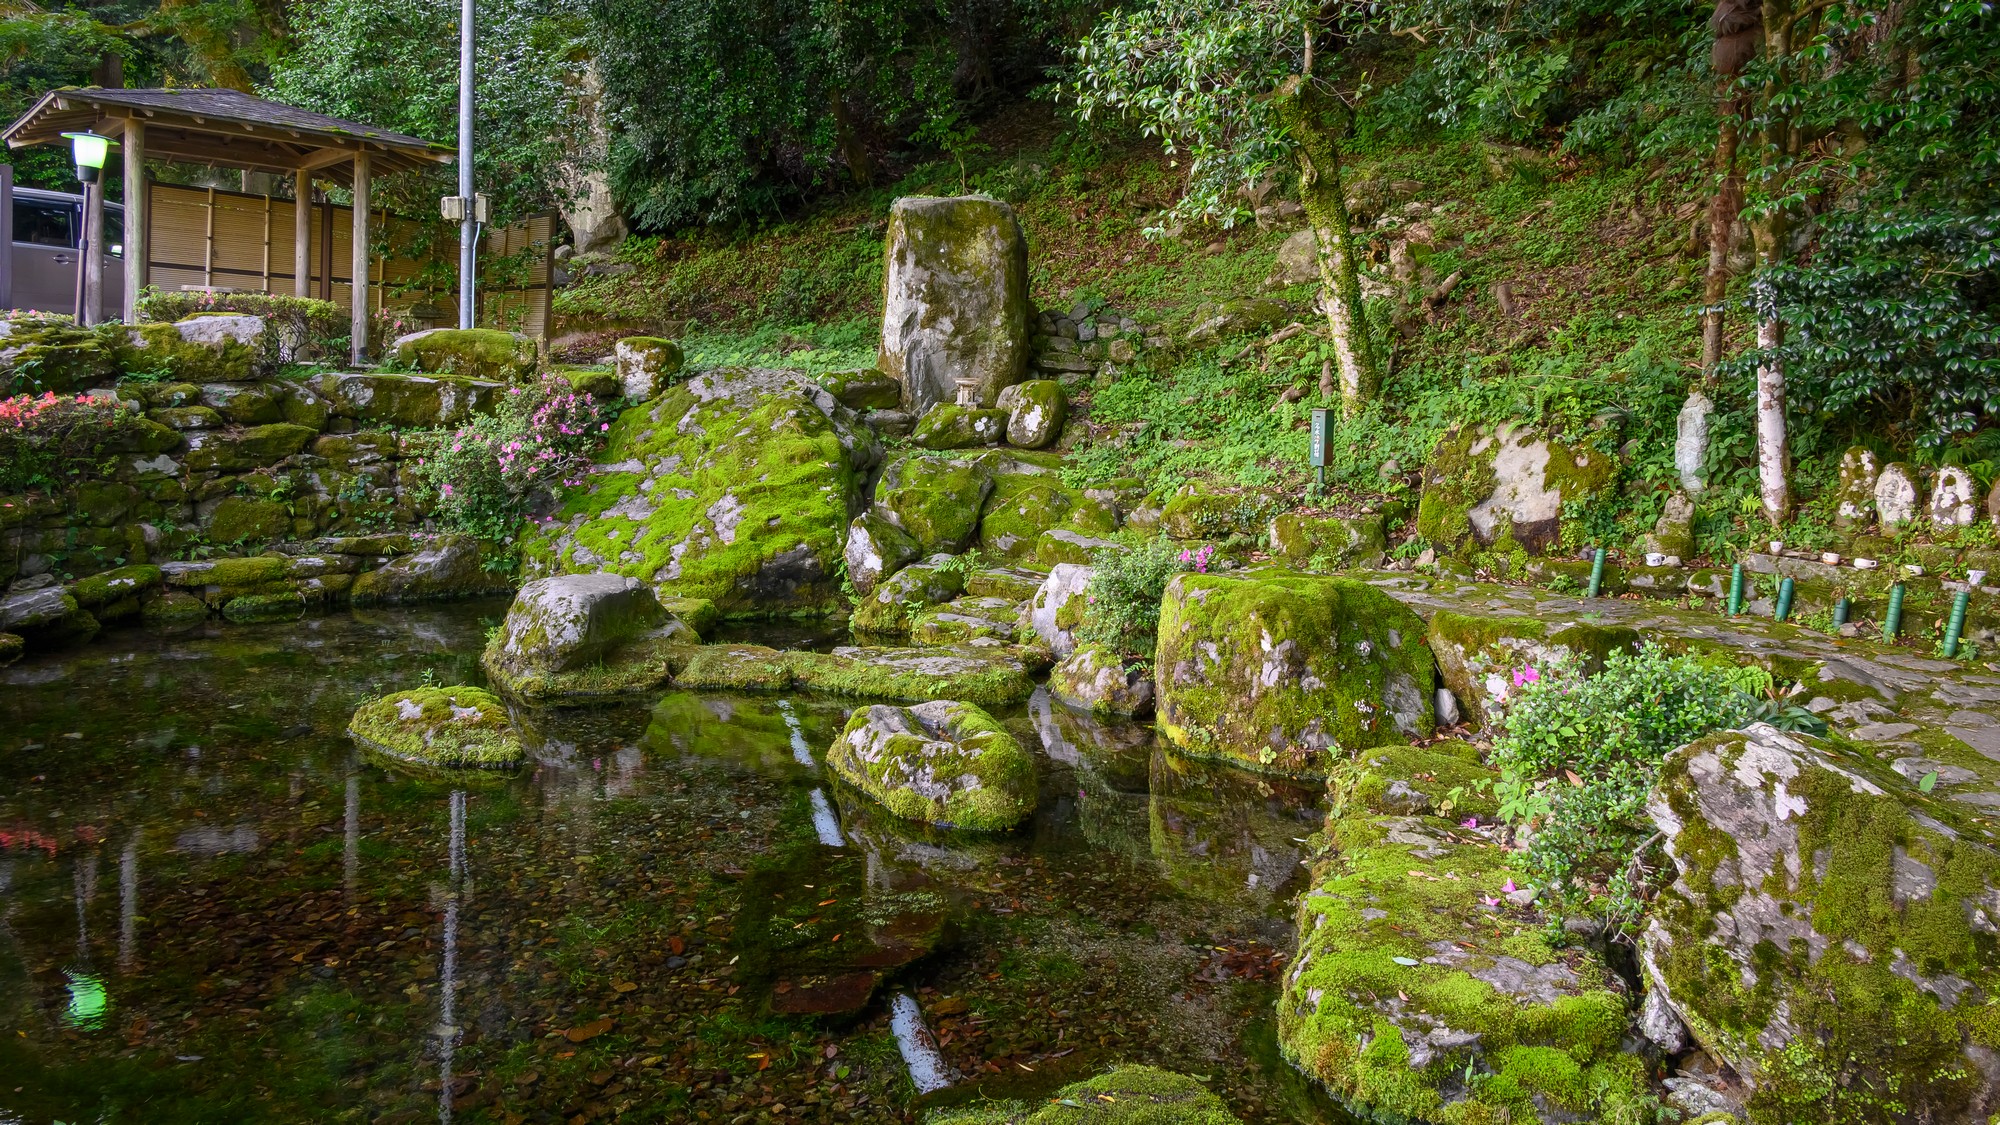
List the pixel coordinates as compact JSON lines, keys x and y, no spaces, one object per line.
{"x":1421,"y":992}
{"x":1128,"y":1095}
{"x":737,"y":668}
{"x":735,"y":486}
{"x":109,"y":586}
{"x":895,"y":603}
{"x":1285,"y":672}
{"x":1193,"y":514}
{"x":944,"y":762}
{"x":1829,"y":930}
{"x":582,"y":637}
{"x":1336,"y":541}
{"x":455,"y":727}
{"x":935,"y":500}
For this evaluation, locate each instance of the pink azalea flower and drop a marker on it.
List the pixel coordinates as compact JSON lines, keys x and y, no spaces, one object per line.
{"x":1526,"y":676}
{"x":1492,"y":901}
{"x":1469,"y":822}
{"x":1510,"y":888}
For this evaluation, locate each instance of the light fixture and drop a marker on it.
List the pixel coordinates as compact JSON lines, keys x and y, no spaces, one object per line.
{"x":90,"y":150}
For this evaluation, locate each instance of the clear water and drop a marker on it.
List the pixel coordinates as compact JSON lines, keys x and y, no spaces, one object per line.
{"x":212,"y":909}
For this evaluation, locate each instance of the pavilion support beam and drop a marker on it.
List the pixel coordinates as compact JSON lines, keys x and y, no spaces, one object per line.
{"x":359,"y":286}
{"x":302,"y":225}
{"x":138,"y":233}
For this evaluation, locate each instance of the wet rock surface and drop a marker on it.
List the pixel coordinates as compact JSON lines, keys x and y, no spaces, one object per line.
{"x":585,"y":636}
{"x":944,"y":763}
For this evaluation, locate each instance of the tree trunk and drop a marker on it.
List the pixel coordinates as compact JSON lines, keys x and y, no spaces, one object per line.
{"x":853,"y":147}
{"x":1774,"y":456}
{"x":1772,"y":229}
{"x":1314,"y":144}
{"x":1722,"y":212}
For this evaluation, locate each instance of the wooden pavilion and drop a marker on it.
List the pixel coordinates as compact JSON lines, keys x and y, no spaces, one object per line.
{"x":230,"y":129}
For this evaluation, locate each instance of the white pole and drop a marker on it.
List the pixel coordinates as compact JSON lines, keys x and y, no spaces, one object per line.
{"x":468,"y":228}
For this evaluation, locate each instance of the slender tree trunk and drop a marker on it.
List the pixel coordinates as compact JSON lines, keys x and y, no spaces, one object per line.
{"x":1773,"y":230}
{"x":1722,"y":212}
{"x":1318,"y":154}
{"x":853,"y":148}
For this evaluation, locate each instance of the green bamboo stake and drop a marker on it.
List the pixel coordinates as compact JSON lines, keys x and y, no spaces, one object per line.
{"x":1893,"y":623}
{"x":1957,"y":623}
{"x":1841,"y":610}
{"x":1736,"y":590}
{"x":1596,"y":573}
{"x":1784,"y":600}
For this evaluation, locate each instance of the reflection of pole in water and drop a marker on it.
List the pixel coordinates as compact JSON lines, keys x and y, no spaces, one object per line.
{"x":128,"y":904}
{"x":350,"y":850}
{"x":825,"y":824}
{"x":447,"y":1029}
{"x":86,"y":893}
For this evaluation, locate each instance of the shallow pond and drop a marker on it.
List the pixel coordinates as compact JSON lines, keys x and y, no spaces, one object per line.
{"x":212,"y":909}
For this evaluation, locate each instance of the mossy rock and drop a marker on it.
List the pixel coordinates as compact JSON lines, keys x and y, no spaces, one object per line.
{"x":646,"y":365}
{"x":1060,"y":545}
{"x":876,"y":549}
{"x":289,"y":606}
{"x":388,"y":399}
{"x":11,"y":648}
{"x":240,"y":519}
{"x":597,"y":382}
{"x":442,"y":568}
{"x":950,"y":426}
{"x":1479,"y":654}
{"x":186,"y":418}
{"x":892,"y":604}
{"x":445,"y":728}
{"x":1016,"y":584}
{"x":1336,"y":542}
{"x":967,"y":619}
{"x":737,"y":668}
{"x":583,"y":637}
{"x":935,"y":500}
{"x":163,"y":349}
{"x":472,"y":353}
{"x":1128,"y":1095}
{"x":246,"y":404}
{"x":1036,"y":411}
{"x":1028,"y":499}
{"x":1504,"y":490}
{"x":172,"y":607}
{"x":110,"y":586}
{"x":993,"y":676}
{"x":954,"y":299}
{"x":1415,"y":968}
{"x":1098,"y":680}
{"x":735,"y":486}
{"x":866,"y":389}
{"x":45,"y":355}
{"x":236,"y":451}
{"x":1827,"y":926}
{"x":1202,"y":515}
{"x":1287,"y":672}
{"x":945,"y":762}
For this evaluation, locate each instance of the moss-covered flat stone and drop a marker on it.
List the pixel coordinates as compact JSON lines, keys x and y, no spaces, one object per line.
{"x":1128,"y":1095}
{"x":1287,"y":672}
{"x":440,"y":728}
{"x":473,"y":353}
{"x":944,"y":762}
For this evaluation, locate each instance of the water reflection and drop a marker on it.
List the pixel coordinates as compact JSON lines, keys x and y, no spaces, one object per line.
{"x":447,"y":1030}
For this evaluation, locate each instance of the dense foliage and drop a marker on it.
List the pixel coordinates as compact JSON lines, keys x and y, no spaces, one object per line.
{"x":494,"y":471}
{"x":1122,"y":603}
{"x":46,"y":439}
{"x":1578,"y":754}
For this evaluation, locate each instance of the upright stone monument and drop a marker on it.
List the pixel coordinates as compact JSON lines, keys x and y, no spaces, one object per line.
{"x":954,"y":300}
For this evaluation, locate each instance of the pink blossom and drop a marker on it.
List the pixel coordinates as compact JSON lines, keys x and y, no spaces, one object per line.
{"x":1510,"y":888}
{"x":1469,"y":822}
{"x":1526,"y":676}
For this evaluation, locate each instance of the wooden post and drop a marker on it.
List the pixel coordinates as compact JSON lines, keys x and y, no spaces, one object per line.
{"x":6,"y":235}
{"x":138,"y":217}
{"x":302,"y":222}
{"x":358,"y":303}
{"x":208,"y":243}
{"x":92,"y":264}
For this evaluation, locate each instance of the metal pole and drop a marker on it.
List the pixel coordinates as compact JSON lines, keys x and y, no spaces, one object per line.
{"x":468,"y":229}
{"x":82,"y":255}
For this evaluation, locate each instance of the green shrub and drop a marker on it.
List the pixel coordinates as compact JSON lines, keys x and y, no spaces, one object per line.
{"x":1578,"y":754}
{"x":1122,"y":604}
{"x":46,"y":439}
{"x":487,"y":476}
{"x":304,"y":327}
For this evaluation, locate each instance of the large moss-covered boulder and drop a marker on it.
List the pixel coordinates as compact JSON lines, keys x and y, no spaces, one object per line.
{"x":736,"y":486}
{"x":1829,"y":932}
{"x":890,"y":605}
{"x":205,"y":349}
{"x":39,"y":355}
{"x":472,"y":353}
{"x":1128,"y":1095}
{"x":876,"y":548}
{"x":644,"y":365}
{"x":936,"y":500}
{"x":439,"y":728}
{"x":1425,"y":986}
{"x":954,"y":299}
{"x":1030,"y":498}
{"x":584,"y":636}
{"x":1479,"y":654}
{"x":1505,"y":488}
{"x":1287,"y":672}
{"x":944,"y":762}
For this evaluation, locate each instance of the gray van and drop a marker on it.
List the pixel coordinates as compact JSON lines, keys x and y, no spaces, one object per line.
{"x":48,"y":226}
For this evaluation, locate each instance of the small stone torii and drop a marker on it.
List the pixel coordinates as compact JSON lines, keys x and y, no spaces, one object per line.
{"x":226,"y":128}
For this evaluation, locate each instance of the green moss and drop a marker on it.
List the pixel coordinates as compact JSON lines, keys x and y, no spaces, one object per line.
{"x":936,"y":501}
{"x":239,"y":519}
{"x":474,"y":353}
{"x":985,"y":677}
{"x":114,"y":585}
{"x":1128,"y":1095}
{"x":948,"y":426}
{"x":1028,"y":501}
{"x":444,"y":727}
{"x":58,"y":357}
{"x":630,"y":669}
{"x":946,"y":763}
{"x":11,"y":648}
{"x":1338,"y":541}
{"x":748,"y":503}
{"x":1201,"y":515}
{"x":265,"y":607}
{"x":1287,"y":672}
{"x":1397,"y":941}
{"x":865,"y":389}
{"x":597,"y":382}
{"x":1475,"y":651}
{"x":737,"y":668}
{"x":905,"y":594}
{"x":159,"y":349}
{"x":1454,"y":482}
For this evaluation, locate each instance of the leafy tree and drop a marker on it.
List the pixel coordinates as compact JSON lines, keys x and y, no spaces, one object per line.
{"x":1236,"y":91}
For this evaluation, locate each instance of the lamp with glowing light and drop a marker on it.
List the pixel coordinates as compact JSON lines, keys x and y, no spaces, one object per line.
{"x":90,"y":151}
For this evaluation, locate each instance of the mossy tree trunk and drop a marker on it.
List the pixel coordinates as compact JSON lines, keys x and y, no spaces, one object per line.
{"x":1722,"y":212}
{"x":1772,"y":228}
{"x":1309,"y":118}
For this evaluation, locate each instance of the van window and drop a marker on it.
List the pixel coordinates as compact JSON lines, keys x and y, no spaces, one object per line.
{"x":114,"y":233}
{"x":45,"y":224}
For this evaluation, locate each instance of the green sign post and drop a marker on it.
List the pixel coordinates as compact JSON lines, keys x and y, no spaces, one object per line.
{"x":1322,"y":438}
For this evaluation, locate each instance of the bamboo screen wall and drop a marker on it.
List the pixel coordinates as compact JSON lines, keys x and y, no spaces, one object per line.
{"x":210,"y":238}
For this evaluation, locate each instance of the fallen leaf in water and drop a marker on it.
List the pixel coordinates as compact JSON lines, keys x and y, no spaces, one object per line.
{"x":623,"y":985}
{"x":590,"y":1030}
{"x":676,"y":946}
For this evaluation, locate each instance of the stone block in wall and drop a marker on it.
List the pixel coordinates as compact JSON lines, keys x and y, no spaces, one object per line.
{"x":412,"y":401}
{"x":242,"y":450}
